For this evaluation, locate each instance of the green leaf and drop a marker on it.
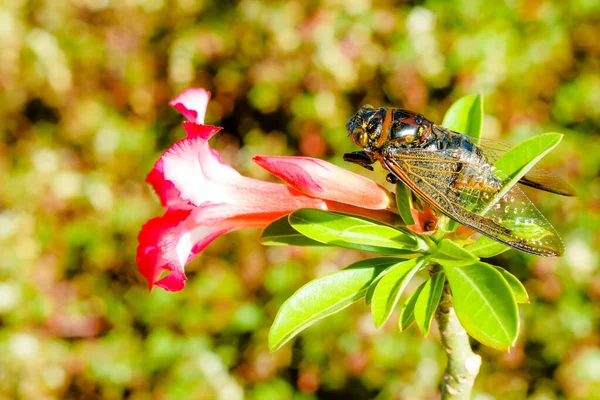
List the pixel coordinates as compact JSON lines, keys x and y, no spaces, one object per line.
{"x":371,"y":290}
{"x":449,"y":253}
{"x":516,"y":286}
{"x":354,"y":232}
{"x":407,"y":314}
{"x":323,"y":297}
{"x":390,"y":288}
{"x":465,"y":116}
{"x":404,"y":203}
{"x":281,"y":233}
{"x":484,"y":304}
{"x":428,"y":300}
{"x":485,"y":247}
{"x":516,"y":162}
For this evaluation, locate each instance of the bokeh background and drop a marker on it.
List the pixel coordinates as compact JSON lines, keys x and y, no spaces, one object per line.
{"x":84,"y":86}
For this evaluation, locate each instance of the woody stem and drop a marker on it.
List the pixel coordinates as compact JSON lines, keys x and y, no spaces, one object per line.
{"x":463,"y":365}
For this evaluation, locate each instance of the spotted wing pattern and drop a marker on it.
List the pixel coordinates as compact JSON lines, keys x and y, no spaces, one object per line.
{"x":473,"y":193}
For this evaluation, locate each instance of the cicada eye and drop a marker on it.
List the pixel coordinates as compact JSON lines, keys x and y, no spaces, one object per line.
{"x":360,"y":137}
{"x":409,"y":138}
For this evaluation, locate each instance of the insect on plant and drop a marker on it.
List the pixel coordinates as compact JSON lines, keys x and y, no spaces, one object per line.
{"x":473,"y":184}
{"x":456,"y":177}
{"x":441,"y":169}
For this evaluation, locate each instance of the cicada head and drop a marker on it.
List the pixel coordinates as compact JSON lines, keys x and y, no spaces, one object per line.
{"x":364,"y":128}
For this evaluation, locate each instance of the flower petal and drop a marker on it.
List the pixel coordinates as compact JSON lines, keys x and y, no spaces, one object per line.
{"x":426,"y":221}
{"x":206,"y":159}
{"x":166,"y":191}
{"x":192,"y":104}
{"x":168,"y":243}
{"x":152,"y":259}
{"x":321,"y":179}
{"x":190,"y":172}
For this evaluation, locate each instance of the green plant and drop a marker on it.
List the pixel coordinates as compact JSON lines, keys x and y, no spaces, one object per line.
{"x":483,"y":297}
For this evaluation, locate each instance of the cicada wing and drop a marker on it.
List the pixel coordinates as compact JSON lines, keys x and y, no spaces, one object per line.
{"x":467,"y":194}
{"x":538,"y":177}
{"x":528,"y":226}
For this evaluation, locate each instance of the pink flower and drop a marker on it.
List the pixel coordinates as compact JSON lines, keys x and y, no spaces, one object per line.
{"x":326,"y":181}
{"x":206,"y":197}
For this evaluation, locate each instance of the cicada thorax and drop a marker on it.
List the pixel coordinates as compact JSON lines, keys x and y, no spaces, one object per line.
{"x":398,"y":128}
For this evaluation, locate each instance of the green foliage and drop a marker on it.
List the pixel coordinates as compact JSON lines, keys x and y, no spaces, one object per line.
{"x":281,"y":233}
{"x":485,"y":247}
{"x":484,"y":304}
{"x":353,"y":232}
{"x":389,"y":289}
{"x":485,"y":299}
{"x":450,"y":253}
{"x":466,"y":116}
{"x":407,"y":314}
{"x":427,"y":302}
{"x":404,"y":203}
{"x":323,"y":297}
{"x":516,"y":286}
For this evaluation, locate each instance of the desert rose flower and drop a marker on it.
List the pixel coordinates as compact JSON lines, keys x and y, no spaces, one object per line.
{"x":321,"y":179}
{"x":206,"y":198}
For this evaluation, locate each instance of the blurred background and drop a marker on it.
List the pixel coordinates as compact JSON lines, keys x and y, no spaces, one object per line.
{"x":84,"y":86}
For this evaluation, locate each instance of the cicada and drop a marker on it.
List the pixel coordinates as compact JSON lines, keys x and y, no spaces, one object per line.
{"x":456,"y":177}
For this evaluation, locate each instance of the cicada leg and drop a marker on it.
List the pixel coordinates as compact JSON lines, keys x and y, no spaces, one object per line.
{"x":361,"y":158}
{"x":391,"y":178}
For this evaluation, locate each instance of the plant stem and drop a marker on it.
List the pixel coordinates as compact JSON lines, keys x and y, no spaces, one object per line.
{"x":463,"y":364}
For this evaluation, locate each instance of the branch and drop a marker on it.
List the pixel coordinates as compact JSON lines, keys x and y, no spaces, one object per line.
{"x":463,"y":364}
